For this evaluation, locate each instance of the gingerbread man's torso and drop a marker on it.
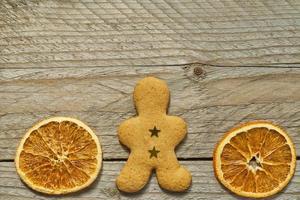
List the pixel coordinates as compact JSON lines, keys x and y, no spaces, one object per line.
{"x":154,"y":139}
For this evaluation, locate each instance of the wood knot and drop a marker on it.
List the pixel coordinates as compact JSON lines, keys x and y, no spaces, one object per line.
{"x":195,"y":71}
{"x":198,"y":71}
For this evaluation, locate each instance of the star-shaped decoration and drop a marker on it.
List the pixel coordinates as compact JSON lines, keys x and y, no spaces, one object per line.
{"x":153,"y":152}
{"x":154,"y":131}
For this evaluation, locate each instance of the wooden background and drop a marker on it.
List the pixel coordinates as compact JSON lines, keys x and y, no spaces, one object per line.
{"x":82,"y":58}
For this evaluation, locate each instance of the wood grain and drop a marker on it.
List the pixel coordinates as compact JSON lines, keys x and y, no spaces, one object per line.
{"x":204,"y":186}
{"x":211,"y":103}
{"x":82,"y":58}
{"x":79,"y":33}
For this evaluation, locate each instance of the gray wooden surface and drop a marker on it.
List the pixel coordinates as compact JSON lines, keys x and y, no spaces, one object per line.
{"x":82,"y":58}
{"x":204,"y":186}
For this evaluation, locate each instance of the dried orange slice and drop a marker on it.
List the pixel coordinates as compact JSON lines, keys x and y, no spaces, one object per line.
{"x":59,"y":155}
{"x":256,"y":159}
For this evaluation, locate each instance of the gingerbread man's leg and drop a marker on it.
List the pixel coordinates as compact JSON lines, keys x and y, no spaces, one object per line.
{"x":134,"y":175}
{"x":172,"y":176}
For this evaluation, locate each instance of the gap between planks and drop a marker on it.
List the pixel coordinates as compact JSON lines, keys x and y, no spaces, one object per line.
{"x":123,"y":159}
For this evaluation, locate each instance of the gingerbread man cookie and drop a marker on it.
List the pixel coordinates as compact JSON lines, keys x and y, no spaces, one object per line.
{"x":152,"y":137}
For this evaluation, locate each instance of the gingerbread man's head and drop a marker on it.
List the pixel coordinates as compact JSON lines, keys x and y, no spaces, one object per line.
{"x":151,"y":96}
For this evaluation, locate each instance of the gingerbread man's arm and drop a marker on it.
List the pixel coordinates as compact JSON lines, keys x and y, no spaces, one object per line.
{"x":179,"y":129}
{"x":127,"y":132}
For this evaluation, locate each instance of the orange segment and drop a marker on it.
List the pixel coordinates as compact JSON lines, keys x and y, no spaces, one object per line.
{"x":59,"y":155}
{"x":231,"y":170}
{"x":231,"y":155}
{"x":279,"y":172}
{"x":249,"y":182}
{"x":240,"y":142}
{"x":238,"y":180}
{"x":265,"y":182}
{"x":272,"y":142}
{"x":256,"y":159}
{"x":280,"y":155}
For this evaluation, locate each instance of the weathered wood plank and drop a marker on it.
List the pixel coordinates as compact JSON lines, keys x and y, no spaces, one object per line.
{"x":204,"y":186}
{"x":102,"y":97}
{"x":81,"y":33}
